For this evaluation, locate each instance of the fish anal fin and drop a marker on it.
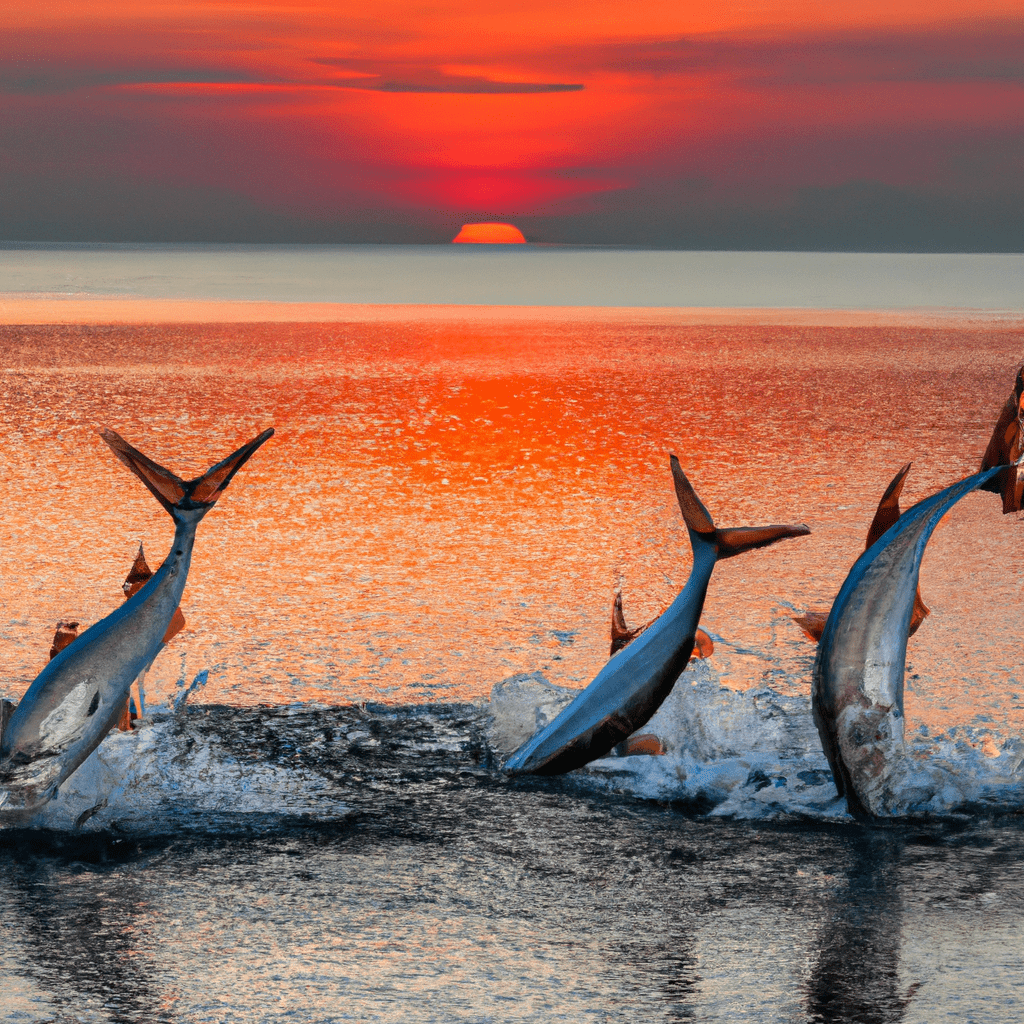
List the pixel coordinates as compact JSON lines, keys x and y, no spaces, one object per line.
{"x":888,"y":511}
{"x":920,"y":612}
{"x":176,"y":626}
{"x":703,"y":645}
{"x":737,"y":539}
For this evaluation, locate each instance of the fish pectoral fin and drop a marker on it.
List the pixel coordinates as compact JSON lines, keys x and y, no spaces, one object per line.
{"x":736,"y":540}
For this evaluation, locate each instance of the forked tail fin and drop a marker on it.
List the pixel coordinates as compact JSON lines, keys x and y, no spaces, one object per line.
{"x":732,"y":541}
{"x":170,"y":490}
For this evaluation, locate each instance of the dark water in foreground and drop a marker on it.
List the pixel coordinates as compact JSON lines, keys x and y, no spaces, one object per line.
{"x":451,"y":894}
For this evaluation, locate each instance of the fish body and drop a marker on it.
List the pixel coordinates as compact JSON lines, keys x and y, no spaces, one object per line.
{"x":80,"y":695}
{"x":631,"y":687}
{"x":887,"y":513}
{"x":857,"y":685}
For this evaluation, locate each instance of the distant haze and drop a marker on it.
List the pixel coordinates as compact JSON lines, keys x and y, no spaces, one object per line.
{"x":515,"y":276}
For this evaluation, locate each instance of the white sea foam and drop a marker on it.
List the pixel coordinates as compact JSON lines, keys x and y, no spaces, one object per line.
{"x":756,"y":754}
{"x":134,"y":778}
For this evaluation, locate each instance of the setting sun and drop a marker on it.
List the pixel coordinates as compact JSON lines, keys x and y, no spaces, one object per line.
{"x":490,"y":234}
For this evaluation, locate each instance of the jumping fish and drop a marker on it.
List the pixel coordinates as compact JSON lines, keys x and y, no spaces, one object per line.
{"x":632,"y":685}
{"x":1005,"y":448}
{"x":77,"y":699}
{"x":857,"y":686}
{"x":887,"y":513}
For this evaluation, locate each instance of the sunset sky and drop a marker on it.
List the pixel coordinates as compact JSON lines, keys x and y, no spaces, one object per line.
{"x":755,"y":125}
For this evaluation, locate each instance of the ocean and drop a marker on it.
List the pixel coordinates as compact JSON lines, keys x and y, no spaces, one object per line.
{"x":470,"y":459}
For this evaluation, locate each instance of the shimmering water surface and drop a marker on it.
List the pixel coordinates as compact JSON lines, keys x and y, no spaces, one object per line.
{"x":445,"y":504}
{"x":448,"y":502}
{"x":450,"y":894}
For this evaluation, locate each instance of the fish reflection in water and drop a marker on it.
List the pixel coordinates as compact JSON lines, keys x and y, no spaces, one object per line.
{"x":855,"y":975}
{"x":81,"y":942}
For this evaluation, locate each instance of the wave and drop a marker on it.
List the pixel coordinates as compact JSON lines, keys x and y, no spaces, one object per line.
{"x":756,"y":754}
{"x":748,"y":755}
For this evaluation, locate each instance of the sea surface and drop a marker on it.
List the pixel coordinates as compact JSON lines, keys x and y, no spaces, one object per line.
{"x":311,"y":823}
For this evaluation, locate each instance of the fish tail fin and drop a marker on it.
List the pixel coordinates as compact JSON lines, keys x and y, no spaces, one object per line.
{"x":697,"y":517}
{"x":169,"y":489}
{"x":746,"y":538}
{"x":732,"y":541}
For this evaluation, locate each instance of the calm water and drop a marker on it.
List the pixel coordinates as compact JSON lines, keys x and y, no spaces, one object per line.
{"x":446,"y":504}
{"x":517,"y":275}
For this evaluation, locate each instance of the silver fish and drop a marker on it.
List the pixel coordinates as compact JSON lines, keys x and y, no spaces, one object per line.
{"x":77,"y":699}
{"x":634,"y":683}
{"x":857,"y":687}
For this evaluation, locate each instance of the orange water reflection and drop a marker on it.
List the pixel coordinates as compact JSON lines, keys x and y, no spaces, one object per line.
{"x":446,"y":503}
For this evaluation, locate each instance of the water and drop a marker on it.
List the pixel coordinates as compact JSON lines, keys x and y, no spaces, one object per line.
{"x":450,"y":894}
{"x":522,"y":275}
{"x":311,"y":824}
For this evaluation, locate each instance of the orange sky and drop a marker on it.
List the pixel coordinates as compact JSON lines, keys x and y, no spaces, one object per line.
{"x":770,"y":122}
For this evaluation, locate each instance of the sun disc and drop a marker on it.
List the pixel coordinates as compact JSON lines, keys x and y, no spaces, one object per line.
{"x":490,"y":234}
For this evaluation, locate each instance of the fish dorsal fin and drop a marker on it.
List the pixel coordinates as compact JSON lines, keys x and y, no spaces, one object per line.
{"x":619,"y":627}
{"x":167,"y":488}
{"x":888,"y":511}
{"x":697,"y":517}
{"x":138,"y":575}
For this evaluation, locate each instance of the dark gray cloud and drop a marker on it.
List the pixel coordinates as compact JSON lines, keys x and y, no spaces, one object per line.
{"x":956,"y":53}
{"x":464,"y":86}
{"x":44,"y":79}
{"x":695,"y":213}
{"x":375,"y":76}
{"x":855,"y":216}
